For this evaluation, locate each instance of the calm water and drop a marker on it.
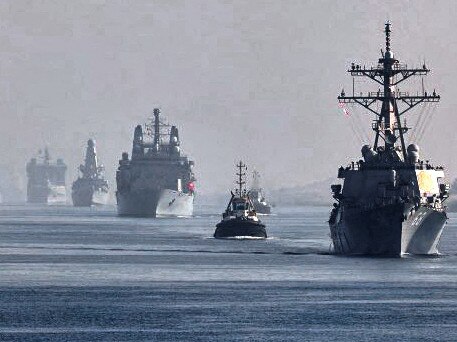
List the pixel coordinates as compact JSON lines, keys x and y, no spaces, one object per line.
{"x":68,"y":274}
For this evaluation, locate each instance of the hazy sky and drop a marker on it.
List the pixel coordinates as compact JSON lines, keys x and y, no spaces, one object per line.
{"x":256,"y":80}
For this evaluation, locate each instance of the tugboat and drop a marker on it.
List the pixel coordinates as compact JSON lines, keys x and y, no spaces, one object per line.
{"x":240,"y":218}
{"x":92,"y":187}
{"x":158,"y":180}
{"x":257,"y":196}
{"x":391,"y":202}
{"x":46,"y":180}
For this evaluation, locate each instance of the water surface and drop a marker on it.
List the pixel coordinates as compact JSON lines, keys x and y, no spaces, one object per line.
{"x":69,"y":274}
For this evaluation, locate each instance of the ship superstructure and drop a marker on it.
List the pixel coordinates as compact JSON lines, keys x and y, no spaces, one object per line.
{"x":91,"y":187}
{"x":391,"y":201}
{"x":257,"y":195}
{"x":158,"y":180}
{"x":46,"y":180}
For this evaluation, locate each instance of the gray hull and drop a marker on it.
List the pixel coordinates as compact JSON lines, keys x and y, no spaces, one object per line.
{"x":37,"y":194}
{"x":52,"y":194}
{"x":261,"y":208}
{"x":82,"y":196}
{"x":86,"y":197}
{"x":138,"y":203}
{"x":391,"y":230}
{"x":149,"y":203}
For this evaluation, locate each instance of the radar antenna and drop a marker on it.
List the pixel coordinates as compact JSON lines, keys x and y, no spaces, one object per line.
{"x":389,"y":73}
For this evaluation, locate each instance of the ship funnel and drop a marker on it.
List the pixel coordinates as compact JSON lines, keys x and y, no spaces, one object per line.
{"x":137,"y":150}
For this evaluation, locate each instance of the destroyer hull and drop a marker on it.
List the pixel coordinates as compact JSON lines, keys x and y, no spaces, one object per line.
{"x":240,"y":228}
{"x":155,"y":203}
{"x":85,"y":197}
{"x":391,"y":230}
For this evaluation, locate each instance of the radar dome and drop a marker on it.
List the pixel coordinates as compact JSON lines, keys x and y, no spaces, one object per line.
{"x":413,"y":148}
{"x":368,"y":153}
{"x":413,"y":153}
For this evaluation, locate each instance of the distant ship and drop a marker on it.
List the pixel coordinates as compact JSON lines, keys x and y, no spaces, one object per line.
{"x":91,"y":188}
{"x":46,"y":180}
{"x":239,"y":218}
{"x":158,"y":180}
{"x":391,"y":202}
{"x":257,"y":196}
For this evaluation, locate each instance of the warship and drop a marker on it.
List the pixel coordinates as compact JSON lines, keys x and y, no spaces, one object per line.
{"x":391,"y":202}
{"x":158,"y":179}
{"x":46,"y":180}
{"x":257,"y":196}
{"x":91,"y":188}
{"x":239,"y":218}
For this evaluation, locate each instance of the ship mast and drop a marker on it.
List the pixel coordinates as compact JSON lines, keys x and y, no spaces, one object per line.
{"x":241,"y":174}
{"x":389,"y":73}
{"x":255,"y":180}
{"x":90,"y":167}
{"x":156,"y":128}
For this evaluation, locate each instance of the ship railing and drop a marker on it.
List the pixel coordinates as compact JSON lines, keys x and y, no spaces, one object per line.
{"x":397,"y":93}
{"x":399,"y":66}
{"x":381,"y":126}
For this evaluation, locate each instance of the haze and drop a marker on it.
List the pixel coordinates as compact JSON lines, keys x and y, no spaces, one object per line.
{"x":256,"y":80}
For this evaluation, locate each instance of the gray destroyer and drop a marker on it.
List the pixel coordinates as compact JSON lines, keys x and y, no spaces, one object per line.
{"x":91,"y":188}
{"x":158,"y":179}
{"x":46,"y":180}
{"x":257,"y":196}
{"x":391,"y":202}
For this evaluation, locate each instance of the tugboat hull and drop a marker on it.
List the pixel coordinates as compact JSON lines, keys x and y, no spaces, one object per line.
{"x":154,"y":203}
{"x":236,"y":228}
{"x":391,"y":230}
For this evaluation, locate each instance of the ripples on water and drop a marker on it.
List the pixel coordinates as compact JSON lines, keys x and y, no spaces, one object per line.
{"x":86,"y":275}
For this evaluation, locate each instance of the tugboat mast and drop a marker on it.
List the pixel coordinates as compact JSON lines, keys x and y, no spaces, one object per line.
{"x":241,"y":174}
{"x":388,"y":73}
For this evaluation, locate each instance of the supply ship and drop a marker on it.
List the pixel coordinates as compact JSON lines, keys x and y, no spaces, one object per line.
{"x":158,"y":179}
{"x":46,"y":180}
{"x":91,"y":188}
{"x":391,"y":202}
